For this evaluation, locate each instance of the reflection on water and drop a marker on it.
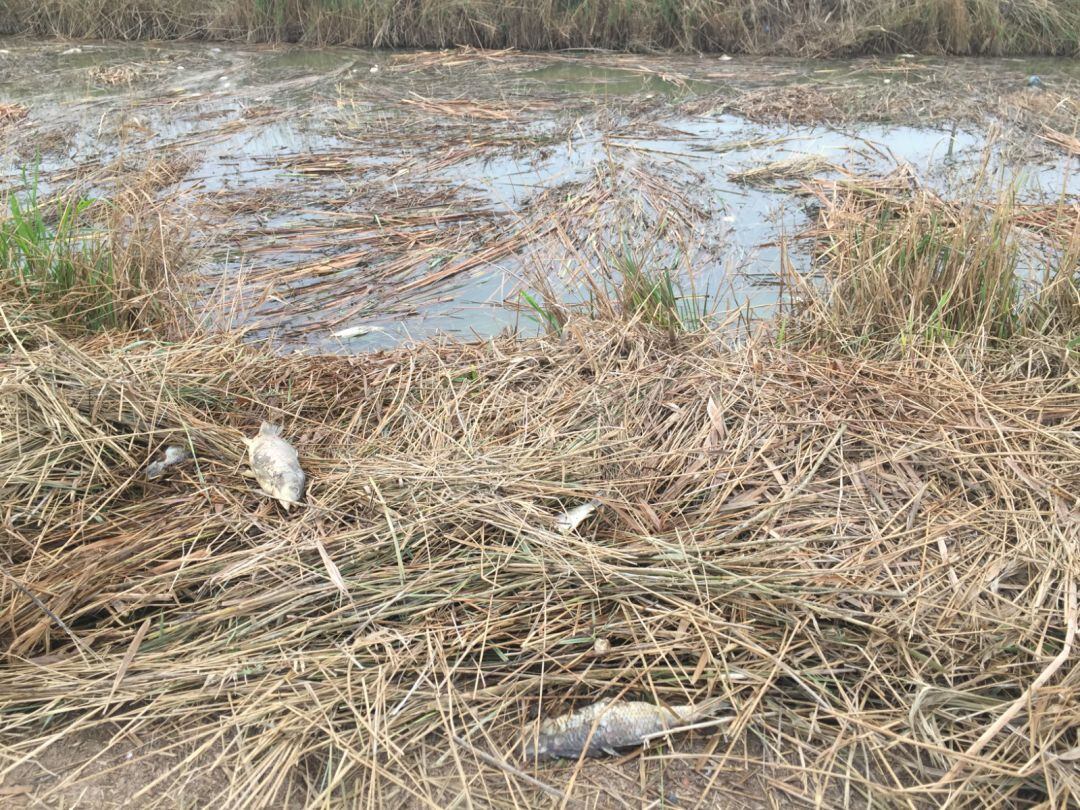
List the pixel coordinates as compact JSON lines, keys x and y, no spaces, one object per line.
{"x":350,"y":186}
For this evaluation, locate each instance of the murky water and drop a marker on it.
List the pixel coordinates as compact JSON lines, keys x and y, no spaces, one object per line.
{"x":351,"y":199}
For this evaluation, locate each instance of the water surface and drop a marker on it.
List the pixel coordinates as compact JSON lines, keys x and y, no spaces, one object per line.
{"x":351,"y":199}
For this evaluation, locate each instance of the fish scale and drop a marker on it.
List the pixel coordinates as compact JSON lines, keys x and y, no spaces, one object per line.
{"x":618,"y":724}
{"x":276,"y":466}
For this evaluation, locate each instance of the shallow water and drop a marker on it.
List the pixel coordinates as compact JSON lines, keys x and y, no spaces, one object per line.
{"x":582,"y":78}
{"x":399,"y":196}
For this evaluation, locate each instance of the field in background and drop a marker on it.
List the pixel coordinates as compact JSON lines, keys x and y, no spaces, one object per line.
{"x":790,"y":27}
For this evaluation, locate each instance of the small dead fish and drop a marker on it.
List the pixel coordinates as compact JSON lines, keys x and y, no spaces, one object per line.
{"x":619,"y":724}
{"x":174,"y":454}
{"x":275,"y":465}
{"x":572,"y":518}
{"x":351,"y":332}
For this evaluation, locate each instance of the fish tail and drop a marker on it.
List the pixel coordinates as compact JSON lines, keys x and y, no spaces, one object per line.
{"x":693,"y":712}
{"x":267,"y":429}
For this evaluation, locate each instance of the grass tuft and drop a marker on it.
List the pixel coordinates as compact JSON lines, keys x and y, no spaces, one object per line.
{"x":90,"y":263}
{"x":621,"y":286}
{"x":650,"y":295}
{"x":902,"y":267}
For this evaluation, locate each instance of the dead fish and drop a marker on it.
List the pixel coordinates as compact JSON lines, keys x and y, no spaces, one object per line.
{"x":572,"y":518}
{"x":619,"y":724}
{"x":275,"y":465}
{"x":174,"y":454}
{"x":351,"y":332}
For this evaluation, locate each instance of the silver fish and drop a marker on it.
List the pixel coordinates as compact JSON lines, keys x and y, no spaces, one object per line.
{"x":618,"y":724}
{"x":569,"y":520}
{"x":174,"y":454}
{"x":275,"y":465}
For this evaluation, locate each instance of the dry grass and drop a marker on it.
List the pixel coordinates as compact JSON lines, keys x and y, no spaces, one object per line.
{"x":792,"y":104}
{"x":902,"y":266}
{"x":98,"y":263}
{"x":1069,"y":143}
{"x":838,"y":27}
{"x":10,"y":113}
{"x":797,"y":167}
{"x":115,"y":74}
{"x":874,"y":561}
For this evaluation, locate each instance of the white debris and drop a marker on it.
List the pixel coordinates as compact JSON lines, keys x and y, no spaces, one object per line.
{"x":725,"y":58}
{"x":70,"y":51}
{"x":374,"y":69}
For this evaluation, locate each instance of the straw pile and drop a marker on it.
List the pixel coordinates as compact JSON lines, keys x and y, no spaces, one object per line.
{"x":876,"y":563}
{"x":9,"y":113}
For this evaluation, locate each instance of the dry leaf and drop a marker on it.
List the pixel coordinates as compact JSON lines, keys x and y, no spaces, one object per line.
{"x":331,"y":568}
{"x":129,"y":656}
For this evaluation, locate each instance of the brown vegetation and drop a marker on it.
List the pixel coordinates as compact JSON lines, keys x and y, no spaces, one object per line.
{"x":874,"y":561}
{"x":904,"y":266}
{"x":857,"y":526}
{"x":807,"y":27}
